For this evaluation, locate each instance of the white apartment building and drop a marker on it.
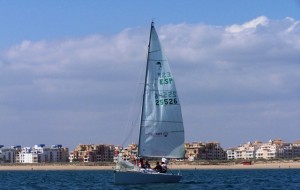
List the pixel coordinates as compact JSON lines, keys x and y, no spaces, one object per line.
{"x":230,"y":153}
{"x":28,"y":155}
{"x":56,"y":153}
{"x":238,"y":153}
{"x":274,"y":149}
{"x":245,"y":151}
{"x":250,"y":153}
{"x":267,"y":151}
{"x":40,"y":153}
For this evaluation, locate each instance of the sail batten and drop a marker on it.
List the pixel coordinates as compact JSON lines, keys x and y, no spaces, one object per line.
{"x":161,"y":127}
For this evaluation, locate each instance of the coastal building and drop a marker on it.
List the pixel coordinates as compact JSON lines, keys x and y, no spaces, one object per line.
{"x":204,"y":151}
{"x":286,"y":150}
{"x":250,"y":151}
{"x":267,"y":151}
{"x":41,"y":154}
{"x":92,"y":153}
{"x":1,"y":156}
{"x":27,"y":155}
{"x":117,"y":152}
{"x":273,"y":149}
{"x":129,"y":152}
{"x":213,"y":151}
{"x":246,"y":151}
{"x":9,"y":155}
{"x":230,"y":153}
{"x":126,"y":153}
{"x":296,"y":149}
{"x":55,"y":153}
{"x":291,"y":150}
{"x":193,"y":150}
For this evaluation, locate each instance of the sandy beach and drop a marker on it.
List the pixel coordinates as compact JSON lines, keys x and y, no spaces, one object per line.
{"x":178,"y":166}
{"x":52,"y":167}
{"x":279,"y":165}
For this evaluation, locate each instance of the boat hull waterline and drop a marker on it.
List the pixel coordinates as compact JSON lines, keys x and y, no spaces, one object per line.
{"x":132,"y":177}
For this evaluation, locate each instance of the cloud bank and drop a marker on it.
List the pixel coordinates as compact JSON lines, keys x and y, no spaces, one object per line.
{"x":236,"y":83}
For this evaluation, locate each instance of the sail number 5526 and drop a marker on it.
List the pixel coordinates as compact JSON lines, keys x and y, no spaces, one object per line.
{"x":166,"y":101}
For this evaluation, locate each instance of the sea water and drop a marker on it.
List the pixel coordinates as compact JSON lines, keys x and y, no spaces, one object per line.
{"x":286,"y":179}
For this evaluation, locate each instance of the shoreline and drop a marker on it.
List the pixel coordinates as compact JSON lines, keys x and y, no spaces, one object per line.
{"x":52,"y":167}
{"x":281,"y":165}
{"x":172,"y":166}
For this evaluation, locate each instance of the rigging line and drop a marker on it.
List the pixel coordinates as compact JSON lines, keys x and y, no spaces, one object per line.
{"x":134,"y":110}
{"x":131,"y":125}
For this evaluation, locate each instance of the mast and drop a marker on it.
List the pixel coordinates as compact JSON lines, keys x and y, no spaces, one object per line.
{"x":145,"y":84}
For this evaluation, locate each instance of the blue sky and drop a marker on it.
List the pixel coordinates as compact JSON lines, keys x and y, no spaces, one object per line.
{"x":71,"y":70}
{"x":51,"y":20}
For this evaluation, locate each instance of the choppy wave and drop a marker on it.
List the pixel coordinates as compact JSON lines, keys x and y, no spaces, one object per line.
{"x":274,"y":179}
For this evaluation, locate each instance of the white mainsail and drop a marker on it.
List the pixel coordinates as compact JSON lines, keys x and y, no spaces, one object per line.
{"x":161,"y":130}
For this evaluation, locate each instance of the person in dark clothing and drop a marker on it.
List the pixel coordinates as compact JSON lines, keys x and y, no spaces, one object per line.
{"x":158,"y":167}
{"x":142,"y":165}
{"x":147,"y":165}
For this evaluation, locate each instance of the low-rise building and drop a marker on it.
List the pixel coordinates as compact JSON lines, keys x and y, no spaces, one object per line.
{"x":246,"y":151}
{"x":10,"y":155}
{"x":231,"y":153}
{"x":130,"y":152}
{"x":204,"y":151}
{"x":274,"y":149}
{"x":41,"y":154}
{"x":92,"y":153}
{"x":193,"y":150}
{"x":27,"y":155}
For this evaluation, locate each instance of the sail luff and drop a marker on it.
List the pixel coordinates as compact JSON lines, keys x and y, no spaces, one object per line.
{"x":144,"y":91}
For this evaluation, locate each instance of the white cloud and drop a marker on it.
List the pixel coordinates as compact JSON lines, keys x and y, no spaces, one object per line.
{"x":232,"y":81}
{"x":248,"y":26}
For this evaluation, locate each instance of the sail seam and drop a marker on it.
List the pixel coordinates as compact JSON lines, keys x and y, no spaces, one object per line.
{"x":164,"y":121}
{"x":154,"y":51}
{"x":158,"y":60}
{"x":176,"y":131}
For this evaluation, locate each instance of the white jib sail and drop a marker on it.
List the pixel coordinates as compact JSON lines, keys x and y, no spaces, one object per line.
{"x":161,"y":130}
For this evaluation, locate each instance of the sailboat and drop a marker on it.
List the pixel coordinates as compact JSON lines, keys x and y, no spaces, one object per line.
{"x":161,"y":132}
